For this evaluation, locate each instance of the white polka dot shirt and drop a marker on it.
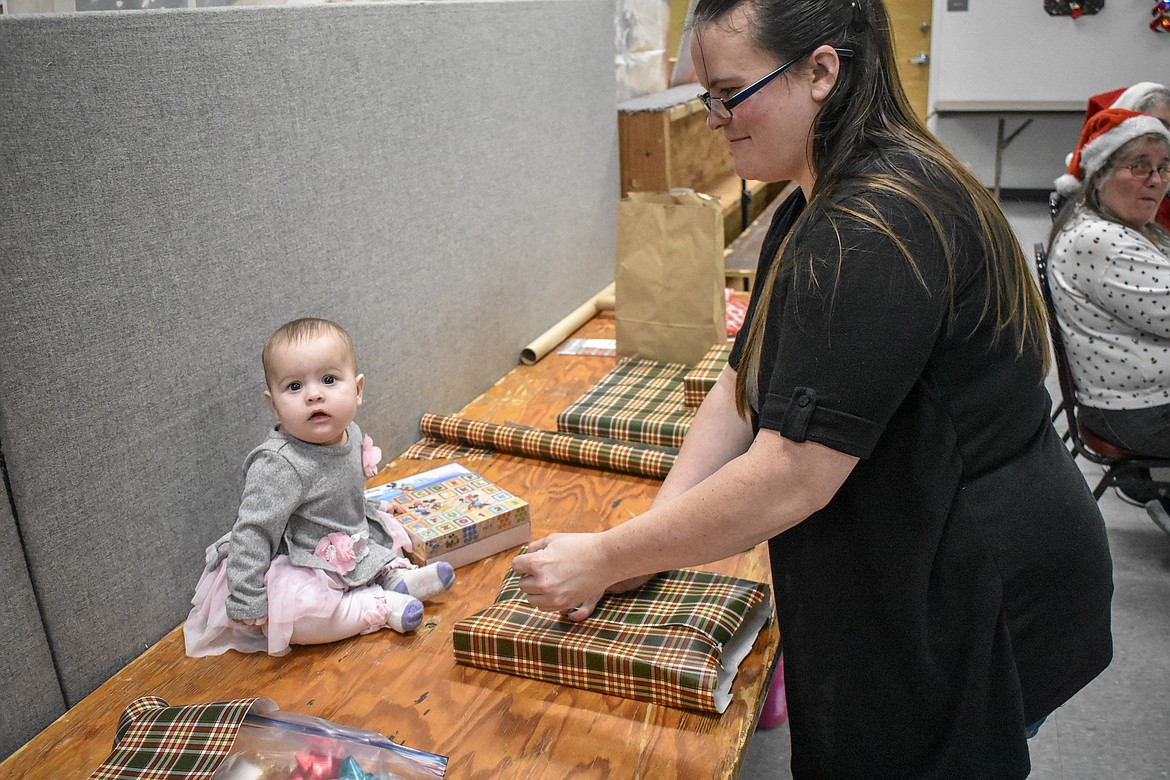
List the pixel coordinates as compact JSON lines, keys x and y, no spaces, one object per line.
{"x":1111,"y":287}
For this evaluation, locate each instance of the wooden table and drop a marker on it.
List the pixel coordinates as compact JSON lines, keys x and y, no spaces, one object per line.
{"x":491,"y":725}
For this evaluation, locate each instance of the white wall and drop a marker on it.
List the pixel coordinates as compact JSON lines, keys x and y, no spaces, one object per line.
{"x":1011,"y":50}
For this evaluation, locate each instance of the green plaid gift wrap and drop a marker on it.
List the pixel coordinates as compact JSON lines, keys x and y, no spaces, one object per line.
{"x":449,"y":509}
{"x":638,"y":401}
{"x":699,"y":380}
{"x":159,"y":742}
{"x":677,"y":641}
{"x":250,"y":738}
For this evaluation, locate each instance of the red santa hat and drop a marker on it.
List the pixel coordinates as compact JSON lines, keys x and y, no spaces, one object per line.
{"x":1126,"y":97}
{"x":1103,"y":101}
{"x":1130,"y":98}
{"x":1105,"y":133}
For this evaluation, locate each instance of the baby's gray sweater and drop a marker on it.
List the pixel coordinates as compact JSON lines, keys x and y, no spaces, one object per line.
{"x":295,"y":494}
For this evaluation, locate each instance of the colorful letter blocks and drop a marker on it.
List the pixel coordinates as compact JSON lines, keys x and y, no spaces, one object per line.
{"x":455,"y":515}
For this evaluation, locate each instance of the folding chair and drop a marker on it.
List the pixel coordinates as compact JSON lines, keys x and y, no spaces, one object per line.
{"x":1055,"y":202}
{"x":1123,"y":469}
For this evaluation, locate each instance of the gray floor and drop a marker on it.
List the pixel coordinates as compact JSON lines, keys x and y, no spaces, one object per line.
{"x":1119,"y":725}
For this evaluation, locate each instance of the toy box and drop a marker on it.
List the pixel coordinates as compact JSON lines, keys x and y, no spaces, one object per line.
{"x":455,"y":515}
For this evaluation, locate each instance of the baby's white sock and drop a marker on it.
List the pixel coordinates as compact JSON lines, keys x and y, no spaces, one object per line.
{"x":403,"y":613}
{"x":422,"y":583}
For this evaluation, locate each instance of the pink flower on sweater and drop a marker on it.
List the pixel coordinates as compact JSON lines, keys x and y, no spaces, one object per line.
{"x":371,"y":456}
{"x":337,"y":550}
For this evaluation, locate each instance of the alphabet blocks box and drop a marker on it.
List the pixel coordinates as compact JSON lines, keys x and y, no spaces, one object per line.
{"x":455,"y":515}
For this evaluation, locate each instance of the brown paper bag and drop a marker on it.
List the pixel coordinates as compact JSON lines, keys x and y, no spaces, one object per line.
{"x":670,"y":305}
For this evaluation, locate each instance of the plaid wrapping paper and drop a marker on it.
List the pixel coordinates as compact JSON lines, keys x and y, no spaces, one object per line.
{"x":158,"y":742}
{"x":663,"y":643}
{"x":429,"y":449}
{"x":638,"y":401}
{"x":699,"y":380}
{"x":550,"y":445}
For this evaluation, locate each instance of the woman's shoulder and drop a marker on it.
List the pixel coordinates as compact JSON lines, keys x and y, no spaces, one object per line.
{"x":896,"y":193}
{"x":783,"y":219}
{"x":897,"y":179}
{"x":1087,"y":231}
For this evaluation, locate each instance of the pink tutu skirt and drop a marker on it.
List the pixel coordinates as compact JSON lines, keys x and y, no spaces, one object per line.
{"x":294,"y":593}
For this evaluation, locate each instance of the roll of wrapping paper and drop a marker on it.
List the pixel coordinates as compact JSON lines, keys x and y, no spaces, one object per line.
{"x":563,"y":329}
{"x":571,"y":448}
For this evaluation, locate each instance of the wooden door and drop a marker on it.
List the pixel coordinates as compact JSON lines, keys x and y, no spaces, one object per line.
{"x":910,"y":22}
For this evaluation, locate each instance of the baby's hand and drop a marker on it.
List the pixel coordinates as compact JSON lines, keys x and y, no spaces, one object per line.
{"x":254,"y":621}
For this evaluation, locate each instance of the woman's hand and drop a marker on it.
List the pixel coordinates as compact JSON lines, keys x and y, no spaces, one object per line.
{"x":633,"y":583}
{"x":254,"y":621}
{"x":563,"y":573}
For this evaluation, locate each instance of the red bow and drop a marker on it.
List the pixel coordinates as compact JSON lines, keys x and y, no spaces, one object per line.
{"x":314,"y":766}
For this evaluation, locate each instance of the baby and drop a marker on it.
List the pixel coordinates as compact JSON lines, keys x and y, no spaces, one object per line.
{"x":308,"y":560}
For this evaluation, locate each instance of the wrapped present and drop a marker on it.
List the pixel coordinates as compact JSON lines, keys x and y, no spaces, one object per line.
{"x":454,"y":515}
{"x":252,"y":738}
{"x":677,"y":641}
{"x":699,"y":380}
{"x":736,"y":313}
{"x":554,"y":446}
{"x":637,"y":401}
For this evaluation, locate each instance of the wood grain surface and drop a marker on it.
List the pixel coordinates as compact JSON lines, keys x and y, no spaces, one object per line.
{"x":408,"y":687}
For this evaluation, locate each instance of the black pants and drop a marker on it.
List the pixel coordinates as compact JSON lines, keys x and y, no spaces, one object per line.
{"x":1144,"y":431}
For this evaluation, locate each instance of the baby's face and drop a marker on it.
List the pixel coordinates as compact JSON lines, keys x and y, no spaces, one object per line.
{"x":314,"y":391}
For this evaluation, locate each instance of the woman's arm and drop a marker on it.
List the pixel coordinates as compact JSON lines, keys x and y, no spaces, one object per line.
{"x":716,"y":435}
{"x":272,"y":492}
{"x":773,"y":486}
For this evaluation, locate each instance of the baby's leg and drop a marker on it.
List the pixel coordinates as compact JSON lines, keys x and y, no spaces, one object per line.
{"x":430,"y":580}
{"x":361,"y":611}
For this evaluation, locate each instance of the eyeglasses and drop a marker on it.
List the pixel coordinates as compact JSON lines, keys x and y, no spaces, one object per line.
{"x":721,"y":107}
{"x":1142,"y":170}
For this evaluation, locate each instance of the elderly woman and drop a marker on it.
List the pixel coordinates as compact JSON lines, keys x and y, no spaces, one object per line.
{"x":1110,"y":275}
{"x":1145,"y":97}
{"x":941,"y":571}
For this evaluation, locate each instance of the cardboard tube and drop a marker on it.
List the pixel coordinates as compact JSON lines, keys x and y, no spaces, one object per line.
{"x":563,"y":329}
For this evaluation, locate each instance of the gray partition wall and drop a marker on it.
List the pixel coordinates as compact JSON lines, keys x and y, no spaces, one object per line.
{"x":440,"y":178}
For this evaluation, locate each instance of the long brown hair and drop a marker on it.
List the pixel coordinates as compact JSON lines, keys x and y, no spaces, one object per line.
{"x":866,"y":112}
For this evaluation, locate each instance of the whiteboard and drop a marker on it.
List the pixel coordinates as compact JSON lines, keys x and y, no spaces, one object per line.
{"x":1011,"y":50}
